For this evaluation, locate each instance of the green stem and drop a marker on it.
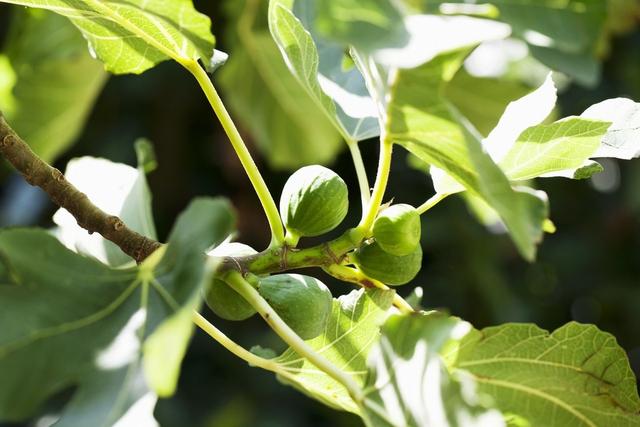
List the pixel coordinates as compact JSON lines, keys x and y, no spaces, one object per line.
{"x":353,"y":275}
{"x":382,"y":178}
{"x":273,"y":260}
{"x":434,"y":200}
{"x":361,"y":172}
{"x":234,"y":348}
{"x":268,"y":204}
{"x":237,"y":282}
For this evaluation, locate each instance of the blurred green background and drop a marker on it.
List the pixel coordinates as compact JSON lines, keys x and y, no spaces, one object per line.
{"x":588,"y":271}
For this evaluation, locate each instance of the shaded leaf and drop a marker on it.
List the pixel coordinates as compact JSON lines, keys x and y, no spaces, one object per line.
{"x":51,"y":81}
{"x":102,"y":330}
{"x":290,"y":129}
{"x":482,"y":100}
{"x":365,"y":24}
{"x":131,"y":36}
{"x":564,"y":38}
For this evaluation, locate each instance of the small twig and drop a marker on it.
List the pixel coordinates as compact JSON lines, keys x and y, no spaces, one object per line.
{"x":38,"y":173}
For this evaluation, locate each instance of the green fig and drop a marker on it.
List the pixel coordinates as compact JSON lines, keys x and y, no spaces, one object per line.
{"x":397,"y":229}
{"x":220,"y":297}
{"x":314,"y":201}
{"x":303,"y":302}
{"x":390,"y":269}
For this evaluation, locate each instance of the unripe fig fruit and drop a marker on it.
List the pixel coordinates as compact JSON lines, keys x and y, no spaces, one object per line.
{"x":397,"y":229}
{"x":220,"y":297}
{"x":303,"y":302}
{"x":385,"y":267}
{"x":314,"y":201}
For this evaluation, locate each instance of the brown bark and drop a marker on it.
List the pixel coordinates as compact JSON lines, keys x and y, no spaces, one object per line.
{"x":38,"y":173}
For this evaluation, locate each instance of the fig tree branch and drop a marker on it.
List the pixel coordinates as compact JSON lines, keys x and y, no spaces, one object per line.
{"x":38,"y":173}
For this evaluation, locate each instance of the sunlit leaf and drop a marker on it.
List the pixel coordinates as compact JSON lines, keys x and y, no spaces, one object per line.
{"x":423,"y":121}
{"x":544,"y":149}
{"x":525,"y":149}
{"x":576,"y":375}
{"x":131,"y":36}
{"x":351,"y":331}
{"x":105,"y":331}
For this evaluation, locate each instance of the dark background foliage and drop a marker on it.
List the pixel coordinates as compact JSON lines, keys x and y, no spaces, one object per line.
{"x":588,"y":271}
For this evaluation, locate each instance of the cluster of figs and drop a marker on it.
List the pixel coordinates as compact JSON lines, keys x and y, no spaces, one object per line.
{"x":314,"y":201}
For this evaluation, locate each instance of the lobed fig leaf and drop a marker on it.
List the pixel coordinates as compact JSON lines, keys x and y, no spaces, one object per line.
{"x":220,"y":297}
{"x":397,"y":229}
{"x":303,"y":302}
{"x":385,"y":267}
{"x":314,"y":201}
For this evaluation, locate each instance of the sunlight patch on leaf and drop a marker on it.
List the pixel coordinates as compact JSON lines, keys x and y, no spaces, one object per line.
{"x":544,"y":149}
{"x":622,"y":140}
{"x":431,"y":35}
{"x":519,"y":115}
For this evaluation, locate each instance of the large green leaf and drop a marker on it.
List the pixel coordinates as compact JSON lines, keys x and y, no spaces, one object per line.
{"x":290,"y":129}
{"x":351,"y":331}
{"x":52,"y":81}
{"x":424,"y":121}
{"x":320,"y":67}
{"x":563,"y":37}
{"x":118,"y":335}
{"x":545,"y":149}
{"x":408,"y":384}
{"x":574,"y":376}
{"x":131,"y":36}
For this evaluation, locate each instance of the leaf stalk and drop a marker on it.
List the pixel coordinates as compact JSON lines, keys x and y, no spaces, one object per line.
{"x":249,"y":293}
{"x":265,"y":197}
